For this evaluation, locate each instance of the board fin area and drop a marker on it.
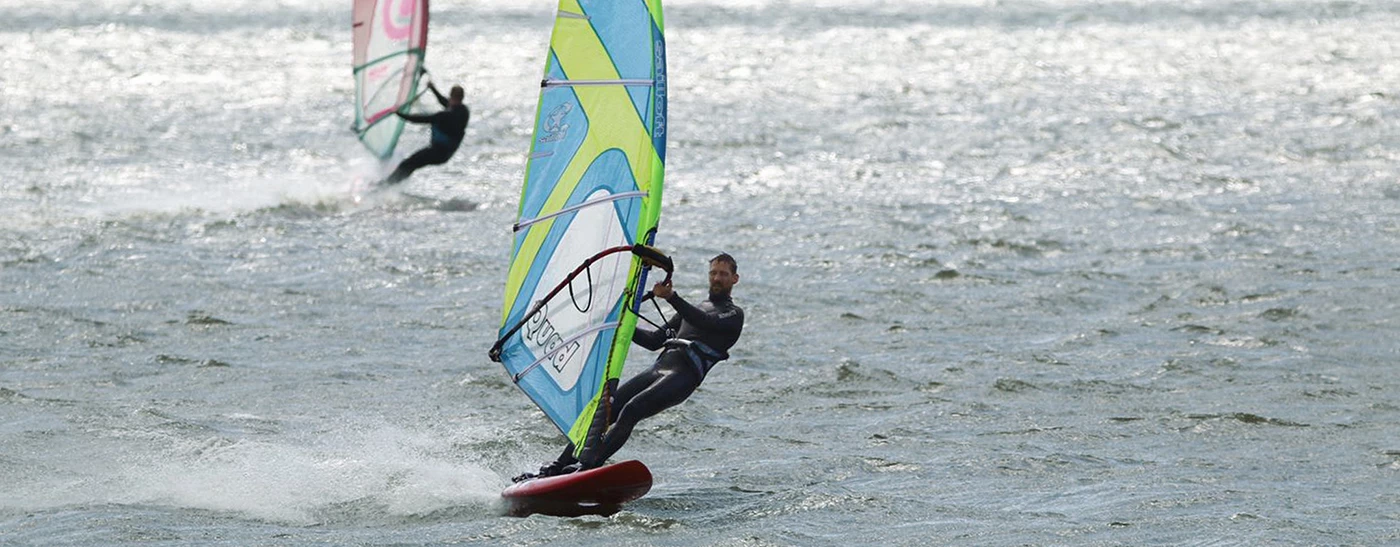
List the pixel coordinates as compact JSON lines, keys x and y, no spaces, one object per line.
{"x":599,"y":491}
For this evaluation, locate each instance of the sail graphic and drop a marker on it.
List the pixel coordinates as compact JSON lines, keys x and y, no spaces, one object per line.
{"x":390,"y":38}
{"x":589,"y":206}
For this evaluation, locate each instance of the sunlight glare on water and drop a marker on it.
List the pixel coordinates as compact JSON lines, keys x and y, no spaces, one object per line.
{"x":1015,"y":272}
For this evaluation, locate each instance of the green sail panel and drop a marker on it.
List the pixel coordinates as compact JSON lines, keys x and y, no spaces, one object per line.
{"x":593,"y":184}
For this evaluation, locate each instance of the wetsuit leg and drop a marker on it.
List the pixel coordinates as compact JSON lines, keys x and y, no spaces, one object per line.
{"x":428,"y":156}
{"x":666,"y":384}
{"x":625,"y":393}
{"x":673,"y":378}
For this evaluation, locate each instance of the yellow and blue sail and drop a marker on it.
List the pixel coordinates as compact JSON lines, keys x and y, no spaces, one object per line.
{"x":592,"y":190}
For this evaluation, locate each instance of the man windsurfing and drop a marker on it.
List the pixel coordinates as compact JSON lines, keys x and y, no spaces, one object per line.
{"x":691,"y":343}
{"x":448,"y":127}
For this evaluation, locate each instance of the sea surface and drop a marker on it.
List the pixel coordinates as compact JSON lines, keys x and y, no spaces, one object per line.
{"x":1016,"y":272}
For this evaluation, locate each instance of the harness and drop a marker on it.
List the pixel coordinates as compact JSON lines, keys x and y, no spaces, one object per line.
{"x":441,"y":138}
{"x":701,"y":356}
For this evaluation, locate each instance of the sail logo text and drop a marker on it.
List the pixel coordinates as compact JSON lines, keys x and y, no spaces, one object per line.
{"x":553,"y":124}
{"x":398,"y":25}
{"x":659,"y":52}
{"x":540,"y":333}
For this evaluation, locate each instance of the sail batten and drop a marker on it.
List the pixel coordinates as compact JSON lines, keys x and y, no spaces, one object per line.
{"x":599,"y":201}
{"x":592,"y":189}
{"x":541,"y":359}
{"x":583,"y":83}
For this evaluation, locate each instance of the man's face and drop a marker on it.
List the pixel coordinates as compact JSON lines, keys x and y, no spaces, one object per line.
{"x":722,"y":278}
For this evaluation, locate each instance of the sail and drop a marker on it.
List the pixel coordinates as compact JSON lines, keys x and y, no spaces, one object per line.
{"x":592,"y":193}
{"x":390,"y":37}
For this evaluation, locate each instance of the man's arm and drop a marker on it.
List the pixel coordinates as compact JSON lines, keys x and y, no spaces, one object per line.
{"x":420,"y":118}
{"x":441,"y":100}
{"x":719,"y":321}
{"x":653,"y":339}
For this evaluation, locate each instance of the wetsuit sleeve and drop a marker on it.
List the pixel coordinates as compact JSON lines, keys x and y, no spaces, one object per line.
{"x":417,"y":118}
{"x":653,"y":339}
{"x":422,"y":118}
{"x":441,"y":100}
{"x":721,"y":321}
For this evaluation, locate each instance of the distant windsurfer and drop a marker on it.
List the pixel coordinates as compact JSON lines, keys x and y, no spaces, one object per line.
{"x":449,"y":126}
{"x":691,"y":343}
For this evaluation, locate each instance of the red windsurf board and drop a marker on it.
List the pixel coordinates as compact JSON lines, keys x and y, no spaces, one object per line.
{"x":600,"y":491}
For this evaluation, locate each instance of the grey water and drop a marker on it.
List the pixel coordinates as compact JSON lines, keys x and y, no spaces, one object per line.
{"x":1056,"y":272}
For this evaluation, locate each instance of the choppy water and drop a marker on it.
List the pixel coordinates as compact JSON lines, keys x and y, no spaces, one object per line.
{"x":1016,"y":273}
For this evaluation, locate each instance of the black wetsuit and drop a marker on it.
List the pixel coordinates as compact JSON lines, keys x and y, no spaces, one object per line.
{"x":449,"y":126}
{"x":692,"y":342}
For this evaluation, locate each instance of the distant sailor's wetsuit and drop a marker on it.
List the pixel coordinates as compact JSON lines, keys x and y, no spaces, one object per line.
{"x":699,"y":337}
{"x":449,"y":126}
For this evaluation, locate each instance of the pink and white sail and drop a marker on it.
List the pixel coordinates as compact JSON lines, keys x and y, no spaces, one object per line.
{"x":390,"y":40}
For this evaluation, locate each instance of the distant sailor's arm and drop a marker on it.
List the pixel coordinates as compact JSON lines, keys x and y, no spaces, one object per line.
{"x":416,"y":118}
{"x":441,"y":100}
{"x":719,"y":321}
{"x":419,"y":118}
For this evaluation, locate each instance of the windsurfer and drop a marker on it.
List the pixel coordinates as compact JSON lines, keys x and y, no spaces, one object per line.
{"x":449,"y":126}
{"x":691,"y":343}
